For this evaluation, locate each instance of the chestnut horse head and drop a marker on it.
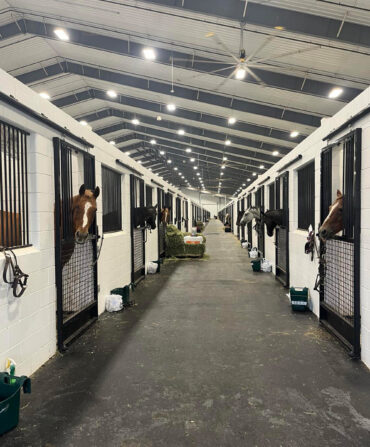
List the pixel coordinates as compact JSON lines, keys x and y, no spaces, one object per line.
{"x":83,"y":212}
{"x":333,"y":223}
{"x":164,"y":216}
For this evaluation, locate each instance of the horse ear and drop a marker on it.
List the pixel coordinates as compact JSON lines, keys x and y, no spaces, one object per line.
{"x":82,"y":190}
{"x":96,"y":192}
{"x":339,"y":194}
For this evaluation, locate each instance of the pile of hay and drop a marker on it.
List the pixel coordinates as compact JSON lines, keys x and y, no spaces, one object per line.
{"x":175,"y":246}
{"x":200,"y":226}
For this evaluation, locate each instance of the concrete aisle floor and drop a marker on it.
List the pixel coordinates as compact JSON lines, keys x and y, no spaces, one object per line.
{"x":211,"y":356}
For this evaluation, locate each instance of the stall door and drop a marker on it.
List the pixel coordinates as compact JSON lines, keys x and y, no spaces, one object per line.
{"x":260,"y":202}
{"x":282,"y":232}
{"x":161,"y":225}
{"x":137,"y":232}
{"x":75,"y":264}
{"x":186,"y":204}
{"x":178,"y":213}
{"x":340,"y":256}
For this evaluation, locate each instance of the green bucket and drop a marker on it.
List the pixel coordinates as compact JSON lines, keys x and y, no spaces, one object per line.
{"x":256,"y":265}
{"x":125,"y":294}
{"x":10,"y":390}
{"x":299,"y":298}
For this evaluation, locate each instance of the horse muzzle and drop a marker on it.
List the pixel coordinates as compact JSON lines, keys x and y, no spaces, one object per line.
{"x":80,"y":238}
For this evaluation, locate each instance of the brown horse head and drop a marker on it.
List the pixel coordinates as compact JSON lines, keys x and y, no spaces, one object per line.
{"x":165,"y":215}
{"x":83,"y":212}
{"x":333,"y":223}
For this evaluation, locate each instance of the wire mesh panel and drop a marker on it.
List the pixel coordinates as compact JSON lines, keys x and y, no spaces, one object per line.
{"x":138,"y":237}
{"x":340,"y":256}
{"x":13,"y":187}
{"x":76,"y":266}
{"x":281,"y":196}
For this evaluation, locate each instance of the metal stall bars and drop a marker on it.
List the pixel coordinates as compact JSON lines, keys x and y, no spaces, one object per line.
{"x":186,"y":205}
{"x":260,"y":203}
{"x":282,"y":231}
{"x":242,"y":227}
{"x":14,"y":228}
{"x":137,"y":232}
{"x":238,"y":209}
{"x":75,"y":264}
{"x":161,"y":225}
{"x":169,"y":205}
{"x":249,"y":225}
{"x":178,"y":212}
{"x":340,"y":256}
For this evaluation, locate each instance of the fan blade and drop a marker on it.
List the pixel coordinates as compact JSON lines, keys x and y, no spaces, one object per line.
{"x":289,"y":53}
{"x":224,"y":80}
{"x":224,"y":47}
{"x":268,"y":40}
{"x":257,"y":78}
{"x":199,"y":61}
{"x":209,"y":72}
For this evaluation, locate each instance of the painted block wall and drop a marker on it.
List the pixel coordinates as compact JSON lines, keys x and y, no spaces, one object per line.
{"x":28,"y":324}
{"x":302,"y":270}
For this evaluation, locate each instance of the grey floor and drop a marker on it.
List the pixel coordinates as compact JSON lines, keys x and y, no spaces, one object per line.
{"x":212,"y":356}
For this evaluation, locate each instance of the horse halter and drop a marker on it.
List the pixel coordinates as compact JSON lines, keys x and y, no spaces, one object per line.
{"x":19,"y":278}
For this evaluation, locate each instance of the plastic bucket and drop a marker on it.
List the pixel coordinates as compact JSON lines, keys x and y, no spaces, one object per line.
{"x":10,"y":390}
{"x":256,"y":265}
{"x":125,"y":294}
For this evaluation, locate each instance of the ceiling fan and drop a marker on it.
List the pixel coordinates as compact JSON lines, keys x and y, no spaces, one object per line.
{"x":242,"y":64}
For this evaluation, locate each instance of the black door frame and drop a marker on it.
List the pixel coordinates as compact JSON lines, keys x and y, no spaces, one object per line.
{"x":138,"y":275}
{"x":282,"y":202}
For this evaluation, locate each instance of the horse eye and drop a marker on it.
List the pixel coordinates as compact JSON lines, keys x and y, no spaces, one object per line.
{"x":341,"y":210}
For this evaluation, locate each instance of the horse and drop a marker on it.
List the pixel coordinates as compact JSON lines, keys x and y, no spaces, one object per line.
{"x":253,"y":212}
{"x":83,"y":212}
{"x":164,"y":215}
{"x":333,"y":223}
{"x":227,"y":219}
{"x":273,"y":218}
{"x":145,"y":216}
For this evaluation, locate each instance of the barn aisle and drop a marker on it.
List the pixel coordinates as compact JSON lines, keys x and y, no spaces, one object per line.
{"x":211,"y":356}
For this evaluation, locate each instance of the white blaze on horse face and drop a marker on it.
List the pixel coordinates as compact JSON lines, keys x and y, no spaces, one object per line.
{"x":85,"y":218}
{"x":330,"y":213}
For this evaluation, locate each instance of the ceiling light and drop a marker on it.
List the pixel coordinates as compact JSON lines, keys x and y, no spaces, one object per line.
{"x":112,"y":94}
{"x":127,"y":153}
{"x":227,"y":142}
{"x":262,"y":166}
{"x":169,"y":161}
{"x":149,"y":169}
{"x":175,"y":169}
{"x":181,"y":132}
{"x":198,"y":173}
{"x":83,"y":123}
{"x":188,"y":149}
{"x":153,"y":141}
{"x":44,"y":95}
{"x":244,"y":184}
{"x":195,"y":168}
{"x":248,"y":179}
{"x":180,"y":173}
{"x":231,"y":120}
{"x":135,"y":121}
{"x":149,"y":54}
{"x":139,"y":161}
{"x":171,"y":107}
{"x":254,"y":174}
{"x":222,"y":173}
{"x":192,"y":160}
{"x":112,"y":142}
{"x":335,"y":92}
{"x":61,"y":33}
{"x":240,"y":73}
{"x":275,"y":153}
{"x":223,"y":167}
{"x":159,"y":118}
{"x":162,"y":152}
{"x":294,"y":134}
{"x":279,"y":27}
{"x":224,"y":158}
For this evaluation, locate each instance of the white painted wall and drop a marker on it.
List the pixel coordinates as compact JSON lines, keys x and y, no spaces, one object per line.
{"x":302,"y":270}
{"x":28,"y":324}
{"x":210,"y":202}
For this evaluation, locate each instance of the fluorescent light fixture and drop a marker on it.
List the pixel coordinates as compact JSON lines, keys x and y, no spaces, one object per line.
{"x":162,"y":152}
{"x":44,"y":95}
{"x":227,"y":142}
{"x":188,"y":149}
{"x":294,"y":133}
{"x":275,"y":153}
{"x":198,"y":173}
{"x":223,"y":167}
{"x":248,"y":179}
{"x":171,"y":107}
{"x":224,"y":158}
{"x":254,"y":174}
{"x":149,"y":54}
{"x":159,"y":118}
{"x":180,"y":173}
{"x":139,"y":161}
{"x":112,"y":142}
{"x":244,"y":184}
{"x":231,"y":120}
{"x":175,"y":169}
{"x":83,"y":123}
{"x":262,"y":166}
{"x":240,"y":73}
{"x":135,"y":121}
{"x":127,"y":153}
{"x":153,"y":141}
{"x":222,"y":173}
{"x":195,"y":168}
{"x":181,"y":132}
{"x":169,"y":161}
{"x":335,"y":92}
{"x":112,"y":94}
{"x":61,"y":33}
{"x":192,"y":160}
